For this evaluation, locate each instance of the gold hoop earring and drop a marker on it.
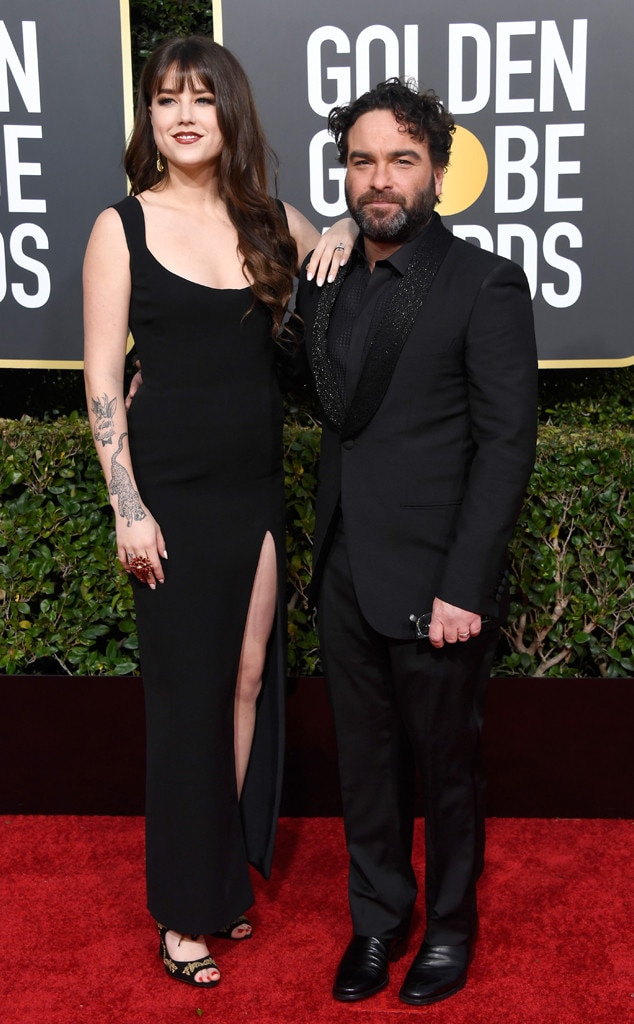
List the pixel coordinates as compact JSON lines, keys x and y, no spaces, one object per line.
{"x":159,"y":163}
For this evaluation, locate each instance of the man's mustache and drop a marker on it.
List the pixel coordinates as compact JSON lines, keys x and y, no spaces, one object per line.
{"x":371,"y":196}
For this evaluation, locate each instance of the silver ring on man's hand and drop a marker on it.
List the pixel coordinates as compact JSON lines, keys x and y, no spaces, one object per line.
{"x":465,"y":635}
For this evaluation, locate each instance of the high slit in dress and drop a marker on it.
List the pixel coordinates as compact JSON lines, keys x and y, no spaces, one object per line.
{"x":205,"y":434}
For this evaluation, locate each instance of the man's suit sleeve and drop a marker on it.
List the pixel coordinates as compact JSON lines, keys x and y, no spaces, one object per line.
{"x":501,"y":367}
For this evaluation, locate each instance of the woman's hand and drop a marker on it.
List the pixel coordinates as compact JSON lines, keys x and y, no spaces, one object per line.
{"x":138,"y":547}
{"x":329,"y":251}
{"x":135,"y":384}
{"x":332,"y":251}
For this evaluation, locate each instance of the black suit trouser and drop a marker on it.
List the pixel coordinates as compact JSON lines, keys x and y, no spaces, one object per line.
{"x":397,"y":705}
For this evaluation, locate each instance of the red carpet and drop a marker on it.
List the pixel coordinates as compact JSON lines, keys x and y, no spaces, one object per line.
{"x":556,"y":941}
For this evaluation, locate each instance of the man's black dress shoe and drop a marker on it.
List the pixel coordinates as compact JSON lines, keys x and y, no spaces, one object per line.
{"x":363,"y":970}
{"x":437,"y":972}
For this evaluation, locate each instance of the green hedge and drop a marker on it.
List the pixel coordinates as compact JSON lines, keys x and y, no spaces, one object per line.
{"x":66,"y":608}
{"x":573,"y":560}
{"x":151,"y":21}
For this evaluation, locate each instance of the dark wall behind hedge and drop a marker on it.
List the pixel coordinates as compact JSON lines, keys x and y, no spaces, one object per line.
{"x":566,"y":396}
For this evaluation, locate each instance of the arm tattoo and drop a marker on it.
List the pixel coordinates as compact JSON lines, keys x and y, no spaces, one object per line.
{"x":104,"y":409}
{"x":120,"y":484}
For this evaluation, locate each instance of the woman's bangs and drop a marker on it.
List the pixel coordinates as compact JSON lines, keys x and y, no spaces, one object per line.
{"x":180,"y":76}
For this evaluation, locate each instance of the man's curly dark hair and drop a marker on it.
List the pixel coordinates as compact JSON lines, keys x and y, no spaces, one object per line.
{"x":421,"y":113}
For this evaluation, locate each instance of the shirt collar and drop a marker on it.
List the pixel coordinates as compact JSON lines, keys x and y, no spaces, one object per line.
{"x":399,"y":259}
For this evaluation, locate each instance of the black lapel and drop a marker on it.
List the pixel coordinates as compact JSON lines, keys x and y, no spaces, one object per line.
{"x":329,"y":395}
{"x":387,"y":343}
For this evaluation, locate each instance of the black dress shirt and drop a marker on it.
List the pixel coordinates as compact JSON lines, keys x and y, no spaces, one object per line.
{"x":359,"y":309}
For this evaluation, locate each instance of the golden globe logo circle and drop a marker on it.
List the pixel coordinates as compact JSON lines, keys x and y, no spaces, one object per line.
{"x":466,"y":175}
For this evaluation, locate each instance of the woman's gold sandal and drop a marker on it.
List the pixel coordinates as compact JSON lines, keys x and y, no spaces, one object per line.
{"x":227,"y":931}
{"x":185,"y":970}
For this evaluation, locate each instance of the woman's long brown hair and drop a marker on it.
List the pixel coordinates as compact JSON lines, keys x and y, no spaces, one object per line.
{"x":264,"y":241}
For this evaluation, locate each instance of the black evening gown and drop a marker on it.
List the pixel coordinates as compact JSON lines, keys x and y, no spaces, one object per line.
{"x":205,"y":434}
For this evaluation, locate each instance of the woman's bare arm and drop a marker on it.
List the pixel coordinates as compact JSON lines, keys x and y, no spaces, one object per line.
{"x":106,"y":304}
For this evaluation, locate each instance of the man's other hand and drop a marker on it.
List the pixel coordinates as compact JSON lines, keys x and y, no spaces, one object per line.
{"x":451,"y":625}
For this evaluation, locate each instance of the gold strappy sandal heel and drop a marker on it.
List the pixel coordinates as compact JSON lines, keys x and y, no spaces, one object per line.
{"x":185,"y":970}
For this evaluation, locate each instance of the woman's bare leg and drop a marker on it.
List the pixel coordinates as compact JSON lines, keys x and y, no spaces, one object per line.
{"x":256,"y":636}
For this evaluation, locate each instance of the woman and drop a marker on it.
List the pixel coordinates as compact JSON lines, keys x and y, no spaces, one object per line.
{"x":199,"y":262}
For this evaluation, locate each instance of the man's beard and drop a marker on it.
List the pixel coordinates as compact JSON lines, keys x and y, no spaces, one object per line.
{"x":394,"y":225}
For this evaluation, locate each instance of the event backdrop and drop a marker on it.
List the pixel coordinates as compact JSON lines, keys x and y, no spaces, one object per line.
{"x":541,"y":169}
{"x":65,"y":82}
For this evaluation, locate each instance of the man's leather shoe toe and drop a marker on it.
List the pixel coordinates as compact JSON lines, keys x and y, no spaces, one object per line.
{"x":437,"y":972}
{"x":363,"y":970}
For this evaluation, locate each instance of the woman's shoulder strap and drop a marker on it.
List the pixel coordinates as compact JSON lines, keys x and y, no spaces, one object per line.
{"x":129,"y":209}
{"x":282,"y":209}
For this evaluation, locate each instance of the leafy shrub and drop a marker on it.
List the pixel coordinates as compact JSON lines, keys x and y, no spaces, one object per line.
{"x":301,"y":452}
{"x":151,"y":21}
{"x":579,"y":397}
{"x":63,"y":604}
{"x":65,"y":607}
{"x":573,"y":560}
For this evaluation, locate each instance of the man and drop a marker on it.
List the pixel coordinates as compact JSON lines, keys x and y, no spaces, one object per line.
{"x":423,"y":356}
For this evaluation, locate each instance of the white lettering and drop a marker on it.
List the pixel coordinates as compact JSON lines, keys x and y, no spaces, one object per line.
{"x":508,"y":237}
{"x":522,"y":167}
{"x":505,"y":67}
{"x":17,"y":170}
{"x":3,"y":270}
{"x":554,"y":167}
{"x":410,"y":52}
{"x":552,"y":58}
{"x":32,"y":300}
{"x":506,"y":234}
{"x":572,"y":73}
{"x":477,"y":232}
{"x":320,"y":203}
{"x":26,"y":73}
{"x":367,"y":74}
{"x":562,"y":300}
{"x":391,"y":66}
{"x":340,"y":75}
{"x":456,"y":101}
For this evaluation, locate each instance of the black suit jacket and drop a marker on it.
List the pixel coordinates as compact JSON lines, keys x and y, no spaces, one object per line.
{"x":430,"y":489}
